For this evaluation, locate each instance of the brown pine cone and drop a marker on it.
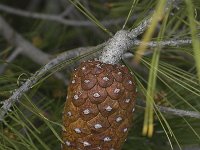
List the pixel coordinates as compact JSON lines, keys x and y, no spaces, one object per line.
{"x":99,"y":108}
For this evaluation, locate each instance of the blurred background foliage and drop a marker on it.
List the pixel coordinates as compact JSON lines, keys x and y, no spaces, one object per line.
{"x":35,"y":122}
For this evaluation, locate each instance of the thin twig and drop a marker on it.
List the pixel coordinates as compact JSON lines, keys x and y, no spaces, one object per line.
{"x":67,"y":11}
{"x":27,"y":49}
{"x":140,"y":29}
{"x":172,"y":111}
{"x":179,"y":112}
{"x":190,"y":147}
{"x":147,"y":21}
{"x":10,"y":59}
{"x":17,"y":94}
{"x":16,"y":40}
{"x":58,"y":18}
{"x":172,"y":42}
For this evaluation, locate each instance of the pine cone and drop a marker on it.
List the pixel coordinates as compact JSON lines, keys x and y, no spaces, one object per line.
{"x":99,"y":108}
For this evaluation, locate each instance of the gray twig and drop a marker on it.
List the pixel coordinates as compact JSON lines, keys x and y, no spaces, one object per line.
{"x":172,"y":111}
{"x":179,"y":112}
{"x":16,"y":40}
{"x":140,"y":29}
{"x":67,"y":11}
{"x":59,"y":18}
{"x":17,"y":94}
{"x":146,"y":22}
{"x":10,"y":59}
{"x":26,"y":48}
{"x":172,"y":42}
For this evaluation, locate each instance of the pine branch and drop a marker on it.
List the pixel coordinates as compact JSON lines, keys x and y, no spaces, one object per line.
{"x":112,"y":52}
{"x":17,"y":94}
{"x":119,"y":43}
